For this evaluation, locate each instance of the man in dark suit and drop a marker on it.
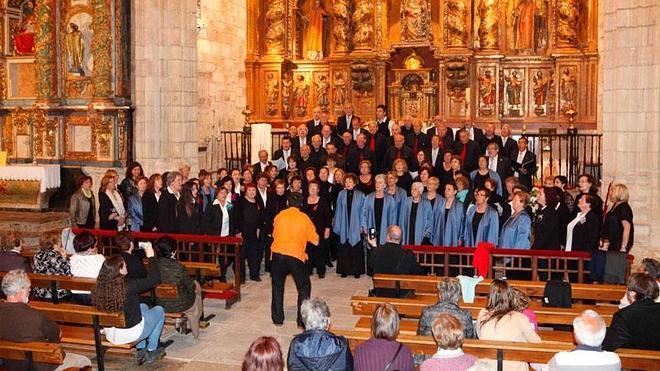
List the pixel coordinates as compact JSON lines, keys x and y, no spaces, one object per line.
{"x":344,"y":121}
{"x":509,"y":145}
{"x":445,"y":134}
{"x":357,"y":153}
{"x":317,"y":151}
{"x":13,"y":259}
{"x":285,"y":151}
{"x":356,"y":128}
{"x":167,"y":203}
{"x":314,"y":125}
{"x":266,"y":200}
{"x":498,"y":163}
{"x":306,"y":160}
{"x":474,"y":134}
{"x":435,"y":155}
{"x":406,"y":125}
{"x":302,"y":138}
{"x":468,"y":150}
{"x":259,"y":167}
{"x":382,"y":120}
{"x":417,"y":141}
{"x":399,"y":150}
{"x":491,"y":137}
{"x":524,"y":156}
{"x":377,"y":145}
{"x":344,"y":146}
{"x":390,"y":258}
{"x":326,"y":136}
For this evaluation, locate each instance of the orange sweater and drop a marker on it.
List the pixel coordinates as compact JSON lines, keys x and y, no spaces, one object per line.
{"x":292,"y":229}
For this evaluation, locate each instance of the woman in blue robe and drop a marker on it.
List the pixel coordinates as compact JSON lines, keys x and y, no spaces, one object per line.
{"x":479,"y":176}
{"x":435,"y":199}
{"x":399,"y":194}
{"x":448,"y":224}
{"x":516,"y":231}
{"x":415,"y":233}
{"x":348,"y":212}
{"x":481,"y":221}
{"x":379,"y":210}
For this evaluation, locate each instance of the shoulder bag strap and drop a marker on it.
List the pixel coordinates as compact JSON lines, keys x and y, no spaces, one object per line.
{"x":387,"y":367}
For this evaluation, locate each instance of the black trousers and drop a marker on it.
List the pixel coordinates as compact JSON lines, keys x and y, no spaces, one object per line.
{"x":281,"y":266}
{"x":350,"y":259}
{"x":318,"y":256}
{"x":264,"y":246}
{"x":251,"y":253}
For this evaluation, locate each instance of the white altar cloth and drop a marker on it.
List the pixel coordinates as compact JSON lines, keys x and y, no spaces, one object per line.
{"x":47,"y":175}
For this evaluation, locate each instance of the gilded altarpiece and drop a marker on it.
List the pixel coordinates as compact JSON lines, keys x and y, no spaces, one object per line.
{"x":64,"y":81}
{"x":523,"y":62}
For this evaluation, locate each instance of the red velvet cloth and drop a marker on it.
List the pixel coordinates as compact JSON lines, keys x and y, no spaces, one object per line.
{"x":481,"y":260}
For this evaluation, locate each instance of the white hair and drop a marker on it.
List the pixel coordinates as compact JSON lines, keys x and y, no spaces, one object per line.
{"x":419,"y":186}
{"x":315,"y":314}
{"x":589,"y":328}
{"x":15,"y":281}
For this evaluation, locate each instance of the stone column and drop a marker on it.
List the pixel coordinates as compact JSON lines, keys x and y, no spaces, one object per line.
{"x":631,"y":114}
{"x":164,"y":65}
{"x":44,"y":45}
{"x":102,"y":50}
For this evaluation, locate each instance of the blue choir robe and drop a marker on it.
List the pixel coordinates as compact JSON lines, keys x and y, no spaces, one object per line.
{"x":516,"y":232}
{"x":399,"y":197}
{"x":348,"y":231}
{"x":450,"y":233}
{"x":369,"y":217}
{"x":423,"y":223}
{"x":492,"y":175}
{"x":488,"y":230}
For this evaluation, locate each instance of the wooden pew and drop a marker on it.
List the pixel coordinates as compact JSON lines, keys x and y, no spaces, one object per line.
{"x":204,"y":273}
{"x":510,"y":351}
{"x":412,"y":308}
{"x":409,"y":327}
{"x":534,"y":289}
{"x":31,"y":353}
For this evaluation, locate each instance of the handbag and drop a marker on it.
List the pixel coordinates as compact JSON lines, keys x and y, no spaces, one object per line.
{"x":387,"y":366}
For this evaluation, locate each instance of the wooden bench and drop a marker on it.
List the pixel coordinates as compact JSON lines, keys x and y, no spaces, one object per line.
{"x":535,"y":289}
{"x":409,"y":327}
{"x":204,"y":274}
{"x":510,"y":351}
{"x":412,"y":308}
{"x":32,"y":352}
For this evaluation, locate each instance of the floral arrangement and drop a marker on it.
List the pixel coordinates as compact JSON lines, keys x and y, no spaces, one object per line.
{"x":533,"y":196}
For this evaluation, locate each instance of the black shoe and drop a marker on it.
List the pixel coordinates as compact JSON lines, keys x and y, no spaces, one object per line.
{"x":140,"y":357}
{"x":256,"y":279}
{"x":278,"y":324}
{"x":155,"y":355}
{"x":356,"y":276}
{"x":329,"y":264}
{"x":344,"y":275}
{"x":321,"y":276}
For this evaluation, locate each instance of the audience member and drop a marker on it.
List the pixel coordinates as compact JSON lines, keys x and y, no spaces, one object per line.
{"x":86,"y":263}
{"x":390,"y":258}
{"x":652,"y":268}
{"x":51,"y":259}
{"x":265,"y":354}
{"x":520,"y":303}
{"x":449,"y":294}
{"x":12,"y":257}
{"x":133,"y":257}
{"x":448,"y":333}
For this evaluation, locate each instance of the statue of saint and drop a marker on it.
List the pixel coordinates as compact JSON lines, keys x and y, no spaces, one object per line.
{"x":540,"y":90}
{"x":300,"y":92}
{"x":513,"y":89}
{"x":322,"y":87}
{"x":286,"y":93}
{"x":567,"y":23}
{"x":568,"y":88}
{"x":525,"y":16}
{"x":313,"y":40}
{"x":414,"y":20}
{"x":339,"y":94}
{"x":272,"y":92}
{"x":487,"y":88}
{"x":488,"y":24}
{"x":75,"y":49}
{"x":275,"y":26}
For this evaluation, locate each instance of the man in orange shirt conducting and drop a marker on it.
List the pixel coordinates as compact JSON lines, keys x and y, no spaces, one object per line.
{"x":292,"y":229}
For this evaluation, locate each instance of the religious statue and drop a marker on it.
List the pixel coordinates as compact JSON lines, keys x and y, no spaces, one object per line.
{"x":552,"y":93}
{"x":456,"y":23}
{"x":513,"y":93}
{"x":488,"y":26}
{"x":23,"y":36}
{"x":415,"y":17}
{"x":363,"y":18}
{"x":528,"y":26}
{"x":487,"y":92}
{"x":540,"y":90}
{"x":567,"y":89}
{"x":567,"y":23}
{"x":286,"y":93}
{"x":313,"y":40}
{"x":272,"y":92}
{"x":339,"y":90}
{"x":300,"y":93}
{"x":322,"y":88}
{"x":342,"y":21}
{"x":275,"y":26}
{"x":74,"y":50}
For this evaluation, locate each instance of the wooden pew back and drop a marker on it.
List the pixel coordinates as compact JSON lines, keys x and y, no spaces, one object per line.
{"x":39,"y":352}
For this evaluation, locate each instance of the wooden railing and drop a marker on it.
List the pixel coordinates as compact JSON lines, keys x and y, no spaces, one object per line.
{"x":537,"y":264}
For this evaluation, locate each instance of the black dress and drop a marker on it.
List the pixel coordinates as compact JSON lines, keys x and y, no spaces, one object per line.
{"x":105,"y":209}
{"x":321,"y":216}
{"x":547,"y":230}
{"x":248,"y":219}
{"x":405,"y":181}
{"x":366,"y":188}
{"x":149,"y":211}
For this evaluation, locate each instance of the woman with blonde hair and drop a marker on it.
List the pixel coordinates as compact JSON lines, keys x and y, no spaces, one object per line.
{"x":618,"y":234}
{"x":448,"y":334}
{"x":404,"y":180}
{"x":382,"y":351}
{"x":112,"y":214}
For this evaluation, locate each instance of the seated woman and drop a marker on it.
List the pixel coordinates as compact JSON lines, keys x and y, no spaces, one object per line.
{"x":264,"y":354}
{"x":521,"y":304}
{"x":51,"y":259}
{"x":115,"y":293}
{"x":449,"y":293}
{"x":382,"y":351}
{"x":189,"y":299}
{"x":500,"y":321}
{"x":132,"y":257}
{"x":448,"y":334}
{"x":317,"y":344}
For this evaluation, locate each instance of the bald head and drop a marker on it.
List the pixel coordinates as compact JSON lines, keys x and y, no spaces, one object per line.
{"x":394,"y":234}
{"x":589,"y":328}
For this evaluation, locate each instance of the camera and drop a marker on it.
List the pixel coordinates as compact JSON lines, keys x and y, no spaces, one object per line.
{"x":143,"y":245}
{"x":372,"y":233}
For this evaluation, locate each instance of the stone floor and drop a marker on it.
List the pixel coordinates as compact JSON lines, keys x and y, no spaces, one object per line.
{"x":223,"y":344}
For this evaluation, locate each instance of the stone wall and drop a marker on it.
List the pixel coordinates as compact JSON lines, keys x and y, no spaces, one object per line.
{"x":221,"y":73}
{"x":631,"y":112}
{"x":164,"y":64}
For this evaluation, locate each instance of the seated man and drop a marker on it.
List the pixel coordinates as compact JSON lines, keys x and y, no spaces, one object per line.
{"x":86,"y":263}
{"x":449,"y":293}
{"x":636,"y":326}
{"x":317,"y":348}
{"x":650,"y":266}
{"x":589,"y":331}
{"x":12,"y":258}
{"x":390,"y":258}
{"x":35,"y":326}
